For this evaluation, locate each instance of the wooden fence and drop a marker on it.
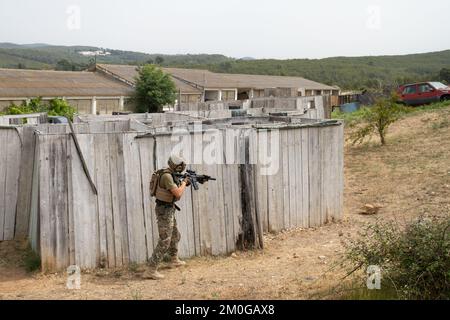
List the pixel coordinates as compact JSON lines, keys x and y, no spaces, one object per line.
{"x":45,"y":193}
{"x":72,"y":225}
{"x":17,"y":154}
{"x":308,"y":189}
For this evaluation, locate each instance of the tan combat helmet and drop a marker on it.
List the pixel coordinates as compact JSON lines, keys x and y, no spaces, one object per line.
{"x":176,"y":163}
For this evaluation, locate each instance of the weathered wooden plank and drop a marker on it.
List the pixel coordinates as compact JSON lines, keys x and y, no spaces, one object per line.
{"x":296,"y":174}
{"x":206,"y":219}
{"x":57,"y":128}
{"x":109,"y":127}
{"x":314,"y":177}
{"x":206,"y":241}
{"x":260,"y":181}
{"x":147,"y":168}
{"x":58,"y":199}
{"x":237,"y":202}
{"x":133,"y":189}
{"x":33,"y":233}
{"x":218,"y":173}
{"x":117,"y":178}
{"x":14,"y":150}
{"x":228,"y":206}
{"x":106,"y":220}
{"x":3,"y":170}
{"x":332,"y":166}
{"x":334,"y":140}
{"x":190,"y":222}
{"x":325,"y":174}
{"x":305,"y":178}
{"x":276,"y":156}
{"x":97,"y":127}
{"x":122,"y":126}
{"x":81,"y":128}
{"x":25,"y":183}
{"x":340,"y":171}
{"x":85,"y":211}
{"x":293,"y":194}
{"x":322,"y":174}
{"x":271,"y":189}
{"x":182,"y":218}
{"x":275,"y":188}
{"x":284,"y":171}
{"x":47,"y":244}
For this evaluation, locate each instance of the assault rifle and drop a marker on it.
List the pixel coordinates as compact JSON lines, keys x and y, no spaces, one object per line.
{"x":195,"y":178}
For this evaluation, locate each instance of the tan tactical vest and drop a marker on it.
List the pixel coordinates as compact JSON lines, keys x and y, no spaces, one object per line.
{"x":163,"y":194}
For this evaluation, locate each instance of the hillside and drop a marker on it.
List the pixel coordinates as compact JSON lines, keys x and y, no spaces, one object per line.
{"x":42,"y":56}
{"x":346,"y":72}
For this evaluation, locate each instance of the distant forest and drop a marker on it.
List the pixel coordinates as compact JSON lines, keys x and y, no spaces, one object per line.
{"x":349,"y":73}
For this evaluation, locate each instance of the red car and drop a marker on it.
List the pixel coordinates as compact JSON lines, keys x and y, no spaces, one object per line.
{"x":423,"y":93}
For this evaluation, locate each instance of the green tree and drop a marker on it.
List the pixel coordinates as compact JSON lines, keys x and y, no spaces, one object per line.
{"x":225,"y":66}
{"x":154,"y":89}
{"x":444,"y":75}
{"x":64,"y":65}
{"x":159,"y":60}
{"x":377,"y":119}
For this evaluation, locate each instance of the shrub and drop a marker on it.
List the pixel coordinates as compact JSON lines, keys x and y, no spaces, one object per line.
{"x":31,"y":260}
{"x":56,"y":107}
{"x":377,"y":119}
{"x":414,"y":260}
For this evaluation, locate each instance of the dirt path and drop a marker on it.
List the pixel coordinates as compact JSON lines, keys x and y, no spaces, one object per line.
{"x":409,"y":177}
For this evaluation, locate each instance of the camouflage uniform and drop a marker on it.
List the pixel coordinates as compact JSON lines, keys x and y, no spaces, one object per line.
{"x":169,"y":236}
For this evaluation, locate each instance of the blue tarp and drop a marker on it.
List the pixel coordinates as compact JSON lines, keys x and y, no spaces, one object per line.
{"x":349,"y":107}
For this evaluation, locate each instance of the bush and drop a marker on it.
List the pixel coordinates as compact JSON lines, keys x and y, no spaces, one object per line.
{"x":58,"y":107}
{"x":415,"y":260}
{"x":31,"y":260}
{"x":377,"y":119}
{"x":55,"y":107}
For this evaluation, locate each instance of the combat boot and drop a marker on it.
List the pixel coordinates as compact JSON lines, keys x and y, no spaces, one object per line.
{"x":176,"y":262}
{"x":152,"y":273}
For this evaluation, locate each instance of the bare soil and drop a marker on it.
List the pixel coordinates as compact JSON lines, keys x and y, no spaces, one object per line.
{"x":408,"y":177}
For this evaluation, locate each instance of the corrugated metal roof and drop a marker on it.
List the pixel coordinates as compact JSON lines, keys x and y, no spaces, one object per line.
{"x":208,"y":79}
{"x":129,"y":74}
{"x":34,"y":83}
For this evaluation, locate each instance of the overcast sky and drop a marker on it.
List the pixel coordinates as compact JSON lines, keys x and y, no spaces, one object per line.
{"x":237,"y":28}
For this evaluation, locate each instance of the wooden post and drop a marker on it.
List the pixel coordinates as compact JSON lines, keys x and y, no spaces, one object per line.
{"x":83,"y":162}
{"x":251,"y":236}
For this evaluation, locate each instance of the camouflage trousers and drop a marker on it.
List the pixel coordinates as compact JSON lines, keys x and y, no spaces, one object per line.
{"x":169,"y":236}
